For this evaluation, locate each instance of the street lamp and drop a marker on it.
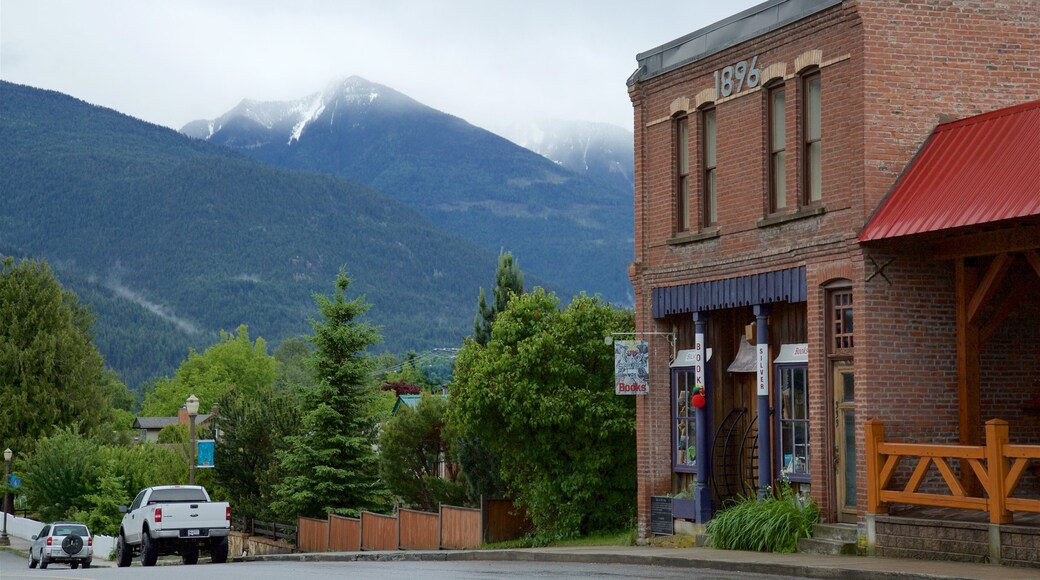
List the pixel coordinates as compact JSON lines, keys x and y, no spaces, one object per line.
{"x":192,"y":405}
{"x":4,"y":540}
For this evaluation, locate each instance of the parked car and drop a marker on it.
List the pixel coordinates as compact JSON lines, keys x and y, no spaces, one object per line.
{"x":173,"y":519}
{"x":66,"y":542}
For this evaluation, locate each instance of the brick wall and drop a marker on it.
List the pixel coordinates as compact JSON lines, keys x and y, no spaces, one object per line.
{"x":931,"y":61}
{"x":890,"y":71}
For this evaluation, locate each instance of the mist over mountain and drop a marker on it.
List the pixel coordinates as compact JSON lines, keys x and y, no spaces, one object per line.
{"x":569,"y":225}
{"x":600,"y":151}
{"x":172,"y":239}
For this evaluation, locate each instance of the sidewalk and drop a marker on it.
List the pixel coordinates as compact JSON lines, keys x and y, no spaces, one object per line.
{"x":805,"y":565}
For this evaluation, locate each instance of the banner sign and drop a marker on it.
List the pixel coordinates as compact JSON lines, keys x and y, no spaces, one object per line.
{"x":205,"y":453}
{"x":763,"y":370}
{"x":631,"y":367}
{"x":698,"y":369}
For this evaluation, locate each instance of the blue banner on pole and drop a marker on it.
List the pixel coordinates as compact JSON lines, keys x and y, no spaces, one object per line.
{"x":205,"y":453}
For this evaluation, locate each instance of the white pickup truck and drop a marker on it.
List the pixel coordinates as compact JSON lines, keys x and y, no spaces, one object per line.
{"x":173,"y":519}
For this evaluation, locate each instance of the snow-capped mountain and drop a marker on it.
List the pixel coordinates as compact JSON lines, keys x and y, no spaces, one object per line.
{"x":562,"y":224}
{"x":270,"y":119}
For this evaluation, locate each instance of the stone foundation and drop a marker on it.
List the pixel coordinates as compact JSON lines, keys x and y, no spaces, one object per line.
{"x":1009,"y":545}
{"x":242,"y":544}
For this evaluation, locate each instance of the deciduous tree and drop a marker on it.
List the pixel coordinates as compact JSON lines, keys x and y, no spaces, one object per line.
{"x":233,"y":363}
{"x":541,"y":396}
{"x":411,"y":450}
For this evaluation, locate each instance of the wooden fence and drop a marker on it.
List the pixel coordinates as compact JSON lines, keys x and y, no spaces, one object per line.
{"x":312,"y":535}
{"x":344,"y":534}
{"x":461,"y":528}
{"x":418,"y":530}
{"x":504,"y":521}
{"x":378,"y":532}
{"x":998,"y":466}
{"x":453,"y":528}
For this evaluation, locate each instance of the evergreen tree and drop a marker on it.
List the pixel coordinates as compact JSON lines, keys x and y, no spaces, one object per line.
{"x":330,"y":464}
{"x":50,"y":373}
{"x":509,"y":280}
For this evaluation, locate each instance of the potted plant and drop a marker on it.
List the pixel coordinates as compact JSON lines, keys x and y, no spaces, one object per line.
{"x":684,"y":507}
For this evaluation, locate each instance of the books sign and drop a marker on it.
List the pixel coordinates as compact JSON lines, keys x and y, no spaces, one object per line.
{"x":631,"y":367}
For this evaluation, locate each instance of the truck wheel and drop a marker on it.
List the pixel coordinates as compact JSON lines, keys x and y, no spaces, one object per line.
{"x":219,"y":551}
{"x":124,"y":554}
{"x":86,"y":564}
{"x":190,"y":554}
{"x":32,"y":563}
{"x":149,"y":550}
{"x":73,"y":565}
{"x":43,"y":562}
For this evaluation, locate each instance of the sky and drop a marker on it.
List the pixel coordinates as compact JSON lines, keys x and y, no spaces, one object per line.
{"x":490,"y":62}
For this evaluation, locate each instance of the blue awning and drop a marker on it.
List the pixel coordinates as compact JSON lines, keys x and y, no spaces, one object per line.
{"x":780,"y":286}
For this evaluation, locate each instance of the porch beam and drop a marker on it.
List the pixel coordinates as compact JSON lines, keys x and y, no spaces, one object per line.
{"x":1034,"y":259}
{"x":968,"y":397}
{"x":1007,"y":306}
{"x":1017,"y":239}
{"x":989,"y":284}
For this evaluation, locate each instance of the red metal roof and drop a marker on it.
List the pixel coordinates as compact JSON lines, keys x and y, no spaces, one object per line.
{"x":977,"y":170}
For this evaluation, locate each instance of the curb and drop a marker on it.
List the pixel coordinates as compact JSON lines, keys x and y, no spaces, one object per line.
{"x":765,"y":568}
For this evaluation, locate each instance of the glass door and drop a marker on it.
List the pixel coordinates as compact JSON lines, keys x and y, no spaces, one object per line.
{"x":845,"y":440}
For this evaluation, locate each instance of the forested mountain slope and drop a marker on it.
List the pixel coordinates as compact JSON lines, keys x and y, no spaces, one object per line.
{"x":561,"y":224}
{"x":205,"y":238}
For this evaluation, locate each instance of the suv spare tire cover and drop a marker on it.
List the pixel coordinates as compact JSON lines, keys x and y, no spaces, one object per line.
{"x":72,"y":544}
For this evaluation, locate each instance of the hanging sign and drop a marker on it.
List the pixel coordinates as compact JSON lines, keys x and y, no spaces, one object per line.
{"x":763,"y":370}
{"x":631,"y":367}
{"x":205,"y":453}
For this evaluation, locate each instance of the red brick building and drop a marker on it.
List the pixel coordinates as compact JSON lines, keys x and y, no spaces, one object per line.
{"x":764,"y":144}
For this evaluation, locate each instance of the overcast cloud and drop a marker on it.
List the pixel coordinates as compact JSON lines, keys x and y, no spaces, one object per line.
{"x":489,"y":62}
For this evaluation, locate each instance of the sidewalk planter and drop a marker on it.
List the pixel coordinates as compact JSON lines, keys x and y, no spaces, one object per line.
{"x":684,"y":509}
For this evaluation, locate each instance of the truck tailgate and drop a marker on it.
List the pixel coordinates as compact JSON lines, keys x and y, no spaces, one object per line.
{"x":194,"y":519}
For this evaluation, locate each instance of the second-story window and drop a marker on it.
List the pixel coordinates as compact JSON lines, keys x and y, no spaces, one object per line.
{"x":682,"y":163}
{"x":710,"y":212}
{"x":811,"y":158}
{"x":777,"y":150}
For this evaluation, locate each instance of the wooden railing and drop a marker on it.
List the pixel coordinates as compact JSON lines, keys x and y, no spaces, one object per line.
{"x":998,"y":466}
{"x":272,"y":530}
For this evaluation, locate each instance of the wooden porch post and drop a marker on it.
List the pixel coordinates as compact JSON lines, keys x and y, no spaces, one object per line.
{"x":997,"y":468}
{"x":969,"y":399}
{"x":875,"y":436}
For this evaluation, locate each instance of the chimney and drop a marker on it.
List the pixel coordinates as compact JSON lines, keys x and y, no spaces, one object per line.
{"x":182,"y":416}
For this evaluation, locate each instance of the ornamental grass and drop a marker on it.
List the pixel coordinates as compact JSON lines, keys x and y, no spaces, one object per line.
{"x":772,"y":524}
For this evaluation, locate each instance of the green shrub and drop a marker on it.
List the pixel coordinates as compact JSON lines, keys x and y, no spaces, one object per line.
{"x":772,"y":524}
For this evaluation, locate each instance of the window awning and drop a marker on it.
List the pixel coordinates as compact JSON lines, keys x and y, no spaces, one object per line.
{"x":974,"y":171}
{"x":746,"y":360}
{"x":688,"y":358}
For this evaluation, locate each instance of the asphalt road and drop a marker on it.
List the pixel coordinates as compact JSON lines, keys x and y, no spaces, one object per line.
{"x":13,"y":567}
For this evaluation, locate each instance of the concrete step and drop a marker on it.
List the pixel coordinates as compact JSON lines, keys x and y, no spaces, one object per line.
{"x":827,"y":546}
{"x":843,"y":532}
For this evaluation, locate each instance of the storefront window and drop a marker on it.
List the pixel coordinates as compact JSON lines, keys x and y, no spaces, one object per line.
{"x":793,"y":422}
{"x":684,"y":421}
